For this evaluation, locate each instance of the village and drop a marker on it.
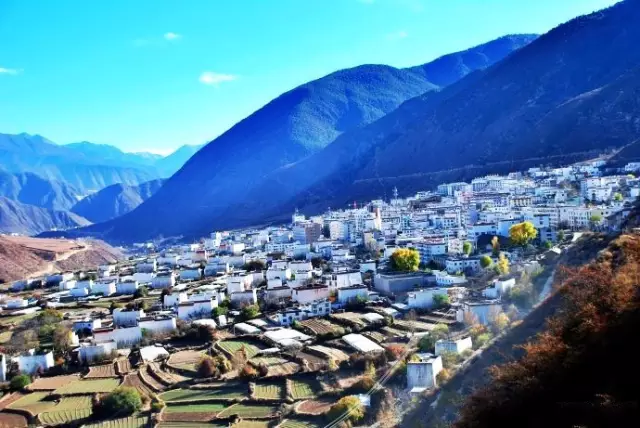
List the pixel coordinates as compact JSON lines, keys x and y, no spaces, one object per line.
{"x":339,"y":319}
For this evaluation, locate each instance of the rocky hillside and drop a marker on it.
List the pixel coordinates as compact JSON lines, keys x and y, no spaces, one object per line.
{"x":115,"y":200}
{"x":16,"y":217}
{"x":29,"y":188}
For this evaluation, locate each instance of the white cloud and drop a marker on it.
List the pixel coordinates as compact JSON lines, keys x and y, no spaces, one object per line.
{"x":398,"y":35}
{"x":172,"y":36}
{"x":12,"y":71}
{"x":213,"y":79}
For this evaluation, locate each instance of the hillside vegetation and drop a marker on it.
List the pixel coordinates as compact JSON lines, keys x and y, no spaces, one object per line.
{"x":581,"y":371}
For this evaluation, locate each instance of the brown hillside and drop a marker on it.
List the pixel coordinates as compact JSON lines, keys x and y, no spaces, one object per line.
{"x":581,"y":371}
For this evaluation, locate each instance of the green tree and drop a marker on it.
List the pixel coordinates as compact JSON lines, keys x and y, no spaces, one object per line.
{"x":467,"y":248}
{"x":121,"y":402}
{"x":502,"y":266}
{"x":250,"y":312}
{"x":495,"y":246}
{"x":547,"y":245}
{"x":595,"y":220}
{"x":561,"y":235}
{"x":617,"y":197}
{"x":349,"y":404}
{"x":62,"y":339}
{"x":219,"y":310}
{"x":449,"y":359}
{"x":405,"y":259}
{"x":440,"y":300}
{"x":255,"y":265}
{"x":426,"y":344}
{"x":522,"y":233}
{"x":141,"y":292}
{"x":20,"y":381}
{"x":485,"y":262}
{"x":440,"y":331}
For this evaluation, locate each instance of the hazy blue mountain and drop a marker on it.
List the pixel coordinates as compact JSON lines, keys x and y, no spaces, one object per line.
{"x":16,"y":217}
{"x":86,"y":172}
{"x":113,"y":155}
{"x":290,"y":128}
{"x":32,"y":189}
{"x":115,"y":200}
{"x":171,"y":163}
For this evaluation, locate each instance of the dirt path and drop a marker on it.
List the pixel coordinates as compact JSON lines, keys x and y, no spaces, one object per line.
{"x":51,"y":266}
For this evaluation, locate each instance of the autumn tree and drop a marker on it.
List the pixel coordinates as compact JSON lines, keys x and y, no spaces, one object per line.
{"x":485,"y":262}
{"x":467,"y":248}
{"x":522,"y":233}
{"x":495,"y":246}
{"x":617,"y":197}
{"x":349,"y":405}
{"x":502,"y":267}
{"x":440,"y":300}
{"x":405,"y":259}
{"x":440,"y":331}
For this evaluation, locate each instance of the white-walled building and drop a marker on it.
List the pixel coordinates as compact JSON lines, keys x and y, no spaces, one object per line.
{"x":127,"y":287}
{"x":163,"y":280}
{"x":455,"y":346}
{"x":352,"y":293}
{"x":309,"y":293}
{"x":174,"y":299}
{"x":34,"y":363}
{"x":86,"y":324}
{"x":336,"y":280}
{"x":90,"y":352}
{"x":195,"y":310}
{"x":423,"y":299}
{"x":481,"y":310}
{"x":104,"y":287}
{"x":158,"y":325}
{"x":241,"y":298}
{"x":124,"y":337}
{"x":498,"y":288}
{"x":127,"y":318}
{"x":421,"y":374}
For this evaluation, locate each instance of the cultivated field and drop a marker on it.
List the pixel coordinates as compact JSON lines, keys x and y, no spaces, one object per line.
{"x":413,"y":325}
{"x":250,"y":411}
{"x":33,"y":403}
{"x":186,"y":360}
{"x":301,"y":423}
{"x":314,"y":407}
{"x":180,"y":395}
{"x":268,"y":391}
{"x":252,"y":424}
{"x":321,"y":327}
{"x":51,"y":383}
{"x":123,"y":366}
{"x":164,"y":377}
{"x":68,"y":410}
{"x":102,"y":371}
{"x":12,"y":420}
{"x":130,"y":422}
{"x":276,"y":366}
{"x":330,"y":353}
{"x":351,"y":318}
{"x":233,"y":346}
{"x":376,"y":336}
{"x":192,"y":412}
{"x":149,"y":380}
{"x":302,"y":389}
{"x":88,"y":386}
{"x":132,"y":380}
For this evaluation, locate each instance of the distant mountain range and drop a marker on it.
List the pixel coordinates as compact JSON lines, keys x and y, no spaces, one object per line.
{"x":29,"y":188}
{"x":16,"y":217}
{"x":294,"y":126}
{"x":115,"y":200}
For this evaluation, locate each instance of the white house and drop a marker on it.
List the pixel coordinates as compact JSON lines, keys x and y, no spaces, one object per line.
{"x":144,"y":277}
{"x":423,"y":299}
{"x":445,"y":279}
{"x":368,"y":266}
{"x":283,"y":274}
{"x":163,"y":280}
{"x":79,"y":292}
{"x":67,"y":285}
{"x":318,"y":308}
{"x":278,"y":293}
{"x":195,"y":310}
{"x":127,"y":287}
{"x":274,"y":283}
{"x":238,"y":283}
{"x":174,"y":299}
{"x":126,"y":318}
{"x":168,"y":260}
{"x":124,"y":337}
{"x":158,"y":325}
{"x":483,"y":310}
{"x":309,"y":293}
{"x":454,"y":265}
{"x":34,"y":363}
{"x":16,"y":303}
{"x":421,"y":374}
{"x":105,"y":287}
{"x":455,"y":346}
{"x":86,"y":324}
{"x":148,"y":266}
{"x":191,"y":274}
{"x":3,"y":368}
{"x":85,"y":283}
{"x":90,"y":352}
{"x":498,"y":288}
{"x":240,"y":298}
{"x":342,"y":279}
{"x":353,"y":293}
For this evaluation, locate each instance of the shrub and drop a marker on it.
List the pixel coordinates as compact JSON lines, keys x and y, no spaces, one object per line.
{"x":395,"y":352}
{"x":443,"y":376}
{"x":20,"y":381}
{"x":121,"y":402}
{"x":482,"y":340}
{"x":248,"y":372}
{"x":427,"y":343}
{"x":157,"y":406}
{"x":207,"y":368}
{"x":222,"y":364}
{"x":364,"y":384}
{"x":449,"y":359}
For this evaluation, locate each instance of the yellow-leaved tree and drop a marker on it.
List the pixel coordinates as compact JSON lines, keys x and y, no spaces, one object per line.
{"x":405,"y":259}
{"x":522,"y":233}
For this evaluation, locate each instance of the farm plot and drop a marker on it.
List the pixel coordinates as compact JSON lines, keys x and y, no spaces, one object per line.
{"x":164,"y":377}
{"x":301,"y":423}
{"x":413,"y":325}
{"x":252,"y":424}
{"x":376,"y":336}
{"x":186,"y":360}
{"x":132,"y":380}
{"x":12,"y":420}
{"x":350,"y":318}
{"x":183,"y":424}
{"x":312,"y":362}
{"x":314,"y":407}
{"x":68,"y":410}
{"x":233,"y":346}
{"x":276,"y":366}
{"x":320,"y":327}
{"x":102,"y":371}
{"x":51,"y":383}
{"x":10,"y":398}
{"x":123,"y":366}
{"x":88,"y":386}
{"x":302,"y":389}
{"x":33,"y":403}
{"x":149,"y":380}
{"x":192,"y":412}
{"x":268,"y":391}
{"x":393,"y":333}
{"x":330,"y":353}
{"x":180,"y":395}
{"x":130,"y":422}
{"x":257,"y":411}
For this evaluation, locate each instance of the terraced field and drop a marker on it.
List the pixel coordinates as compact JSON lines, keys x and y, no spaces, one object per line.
{"x":330,"y":353}
{"x":192,"y":412}
{"x":51,"y":383}
{"x":163,"y":376}
{"x":268,"y":391}
{"x":150,"y":381}
{"x":178,"y":395}
{"x":277,"y":366}
{"x":68,"y":410}
{"x":102,"y":371}
{"x":303,"y":389}
{"x":12,"y":420}
{"x":190,"y":425}
{"x":252,"y":424}
{"x":132,"y":380}
{"x":315,"y":407}
{"x":321,"y":327}
{"x":130,"y":422}
{"x":88,"y":386}
{"x":33,"y":403}
{"x":301,"y":423}
{"x":233,"y":346}
{"x":186,"y":360}
{"x":250,"y":411}
{"x":123,"y":366}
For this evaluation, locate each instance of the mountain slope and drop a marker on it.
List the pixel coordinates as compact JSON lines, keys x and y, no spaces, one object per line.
{"x":32,"y":189}
{"x":33,"y":153}
{"x":113,"y":155}
{"x":171,"y":163}
{"x":115,"y":200}
{"x":16,"y":217}
{"x":297,"y":124}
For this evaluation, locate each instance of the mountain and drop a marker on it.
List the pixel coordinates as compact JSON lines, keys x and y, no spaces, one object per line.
{"x":86,"y":172}
{"x":174,"y":161}
{"x":16,"y":217}
{"x":32,"y":189}
{"x":290,"y":128}
{"x":115,"y":200}
{"x":113,"y":155}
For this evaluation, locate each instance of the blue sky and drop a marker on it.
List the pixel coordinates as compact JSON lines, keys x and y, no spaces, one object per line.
{"x":156,"y":74}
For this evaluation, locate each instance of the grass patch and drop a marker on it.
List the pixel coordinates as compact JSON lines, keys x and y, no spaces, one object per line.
{"x":268,"y":391}
{"x":196,"y":408}
{"x":178,"y":395}
{"x":92,"y":386}
{"x":304,"y":389}
{"x":249,"y":411}
{"x":130,"y":422}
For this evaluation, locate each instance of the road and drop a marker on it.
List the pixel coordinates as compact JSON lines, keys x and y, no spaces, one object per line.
{"x":51,"y":266}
